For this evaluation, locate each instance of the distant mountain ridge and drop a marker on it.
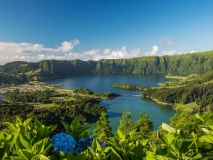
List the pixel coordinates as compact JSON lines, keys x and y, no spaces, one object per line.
{"x":191,"y":63}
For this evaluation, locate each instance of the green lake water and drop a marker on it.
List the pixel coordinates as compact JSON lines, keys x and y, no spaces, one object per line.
{"x":128,"y":101}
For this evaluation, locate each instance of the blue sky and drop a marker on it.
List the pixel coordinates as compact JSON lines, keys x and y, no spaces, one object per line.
{"x":33,"y":30}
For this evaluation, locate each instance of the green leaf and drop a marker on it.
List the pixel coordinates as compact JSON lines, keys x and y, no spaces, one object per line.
{"x":10,"y":126}
{"x":14,"y":138}
{"x":16,"y":158}
{"x":205,"y":130}
{"x":81,"y":157}
{"x":67,"y":156}
{"x":83,"y":129}
{"x":98,"y":146}
{"x":199,"y":117}
{"x":207,"y":138}
{"x":115,"y":153}
{"x":40,"y":157}
{"x":152,"y":156}
{"x":169,"y":138}
{"x":107,"y":149}
{"x":47,"y":147}
{"x":91,"y":150}
{"x":66,"y":125}
{"x":120,"y":134}
{"x":27,"y":121}
{"x":41,"y":147}
{"x":167,"y":128}
{"x":144,"y":141}
{"x":51,"y":128}
{"x":185,"y":146}
{"x":3,"y":152}
{"x":38,"y":123}
{"x":43,"y":131}
{"x":26,"y":154}
{"x":113,"y":142}
{"x":205,"y":145}
{"x":18,"y":120}
{"x":25,"y":143}
{"x":198,"y":156}
{"x":181,"y":133}
{"x":75,"y":123}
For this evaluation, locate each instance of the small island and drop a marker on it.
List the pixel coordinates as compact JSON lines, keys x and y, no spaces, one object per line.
{"x":129,"y":87}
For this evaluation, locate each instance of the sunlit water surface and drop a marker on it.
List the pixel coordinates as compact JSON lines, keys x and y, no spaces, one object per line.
{"x":128,"y":101}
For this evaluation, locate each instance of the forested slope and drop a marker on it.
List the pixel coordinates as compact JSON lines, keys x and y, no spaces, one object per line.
{"x":194,"y":88}
{"x":198,"y":63}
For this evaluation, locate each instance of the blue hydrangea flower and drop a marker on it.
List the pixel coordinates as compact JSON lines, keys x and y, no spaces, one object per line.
{"x":63,"y":142}
{"x":79,"y":150}
{"x":82,"y":144}
{"x":102,"y":144}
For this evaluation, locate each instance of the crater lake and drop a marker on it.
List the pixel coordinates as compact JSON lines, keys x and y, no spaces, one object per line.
{"x":129,"y":100}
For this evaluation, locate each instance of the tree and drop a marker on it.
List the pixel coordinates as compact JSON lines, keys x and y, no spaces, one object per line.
{"x":126,"y":123}
{"x":144,"y":126}
{"x":184,"y":120}
{"x":103,"y":131}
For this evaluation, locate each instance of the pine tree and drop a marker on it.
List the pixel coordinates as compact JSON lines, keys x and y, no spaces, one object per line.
{"x":103,"y":131}
{"x":126,"y":123}
{"x":143,"y":127}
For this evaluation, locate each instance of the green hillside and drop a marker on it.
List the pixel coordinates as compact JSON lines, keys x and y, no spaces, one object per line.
{"x":6,"y":78}
{"x":192,"y":91}
{"x":196,"y":63}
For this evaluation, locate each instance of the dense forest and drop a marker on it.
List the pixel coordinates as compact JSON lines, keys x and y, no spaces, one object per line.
{"x":129,"y":87}
{"x":194,"y":88}
{"x":186,"y":64}
{"x":51,"y":106}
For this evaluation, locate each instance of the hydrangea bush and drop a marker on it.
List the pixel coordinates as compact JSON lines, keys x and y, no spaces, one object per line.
{"x":17,"y":143}
{"x":63,"y":143}
{"x":82,"y":144}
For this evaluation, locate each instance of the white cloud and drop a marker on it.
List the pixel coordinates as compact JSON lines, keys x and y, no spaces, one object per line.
{"x":41,"y":56}
{"x":29,"y":48}
{"x":33,"y":52}
{"x":172,"y":52}
{"x":153,"y":52}
{"x":67,"y":46}
{"x":166,"y":41}
{"x":192,"y":51}
{"x":36,"y":52}
{"x":107,"y":51}
{"x":92,"y":52}
{"x":115,"y":54}
{"x":96,"y":54}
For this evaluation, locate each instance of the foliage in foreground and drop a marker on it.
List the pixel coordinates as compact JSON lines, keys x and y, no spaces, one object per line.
{"x":27,"y":140}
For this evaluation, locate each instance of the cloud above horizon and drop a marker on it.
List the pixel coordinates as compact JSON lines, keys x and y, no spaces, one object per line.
{"x":36,"y":52}
{"x":166,"y":41}
{"x":153,"y":52}
{"x":28,"y":48}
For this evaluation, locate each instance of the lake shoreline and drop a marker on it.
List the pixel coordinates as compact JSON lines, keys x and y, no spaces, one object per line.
{"x":159,"y":102}
{"x":126,"y":101}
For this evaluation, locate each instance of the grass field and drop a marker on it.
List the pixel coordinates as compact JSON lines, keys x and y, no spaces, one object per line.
{"x":189,"y":107}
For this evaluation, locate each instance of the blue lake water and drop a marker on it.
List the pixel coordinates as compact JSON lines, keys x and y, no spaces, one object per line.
{"x":129,"y":101}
